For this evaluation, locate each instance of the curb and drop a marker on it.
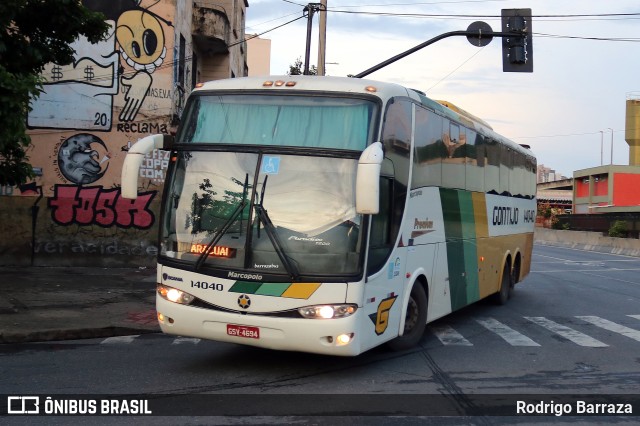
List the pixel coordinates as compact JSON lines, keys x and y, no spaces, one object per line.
{"x":73,"y":334}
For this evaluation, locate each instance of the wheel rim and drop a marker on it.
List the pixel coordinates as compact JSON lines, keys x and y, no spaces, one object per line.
{"x":412,"y":315}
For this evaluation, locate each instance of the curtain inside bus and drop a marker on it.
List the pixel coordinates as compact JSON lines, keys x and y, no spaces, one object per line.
{"x":335,"y":123}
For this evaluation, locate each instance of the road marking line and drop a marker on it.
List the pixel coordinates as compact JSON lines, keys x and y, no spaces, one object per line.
{"x":448,"y":336}
{"x":634,"y":316}
{"x":181,"y":340}
{"x":568,"y":333}
{"x":119,"y":339}
{"x":555,"y":271}
{"x":612,"y":326}
{"x":511,"y":336}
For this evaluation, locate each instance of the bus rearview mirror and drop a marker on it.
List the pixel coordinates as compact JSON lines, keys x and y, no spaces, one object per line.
{"x":135,"y":157}
{"x":368,"y":179}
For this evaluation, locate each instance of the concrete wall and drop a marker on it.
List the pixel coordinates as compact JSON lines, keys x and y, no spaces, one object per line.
{"x":592,"y":241}
{"x":59,"y":232}
{"x":82,"y":126}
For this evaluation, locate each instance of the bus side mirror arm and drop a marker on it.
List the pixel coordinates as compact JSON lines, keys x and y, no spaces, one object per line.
{"x":134,"y":159}
{"x":368,"y":179}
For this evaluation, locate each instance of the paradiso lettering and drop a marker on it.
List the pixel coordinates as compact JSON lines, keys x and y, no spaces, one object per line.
{"x":94,"y":205}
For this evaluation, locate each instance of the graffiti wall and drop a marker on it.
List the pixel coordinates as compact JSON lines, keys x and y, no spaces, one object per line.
{"x":89,"y":115}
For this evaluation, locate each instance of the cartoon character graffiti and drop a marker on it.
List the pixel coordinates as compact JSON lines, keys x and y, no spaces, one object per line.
{"x":79,"y":159}
{"x":81,"y":95}
{"x":142,"y":46}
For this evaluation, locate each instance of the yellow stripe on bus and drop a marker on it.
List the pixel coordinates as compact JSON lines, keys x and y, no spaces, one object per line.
{"x":301,"y":290}
{"x":480,"y":214}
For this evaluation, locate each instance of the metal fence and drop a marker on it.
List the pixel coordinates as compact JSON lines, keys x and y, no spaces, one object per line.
{"x":601,"y":222}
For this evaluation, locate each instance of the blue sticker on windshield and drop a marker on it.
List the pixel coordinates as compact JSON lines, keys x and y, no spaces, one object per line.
{"x":270,"y":165}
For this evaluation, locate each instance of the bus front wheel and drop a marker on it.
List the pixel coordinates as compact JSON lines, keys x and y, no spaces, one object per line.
{"x":415,"y":320}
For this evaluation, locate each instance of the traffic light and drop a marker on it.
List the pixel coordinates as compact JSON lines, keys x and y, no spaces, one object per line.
{"x":517,"y":50}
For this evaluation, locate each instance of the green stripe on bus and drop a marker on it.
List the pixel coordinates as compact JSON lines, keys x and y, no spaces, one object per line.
{"x":455,"y":250}
{"x":459,"y":225}
{"x":468,"y":225}
{"x":245,"y":287}
{"x":273,"y":289}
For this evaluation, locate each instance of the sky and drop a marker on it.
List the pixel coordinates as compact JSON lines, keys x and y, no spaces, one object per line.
{"x":568,"y":110}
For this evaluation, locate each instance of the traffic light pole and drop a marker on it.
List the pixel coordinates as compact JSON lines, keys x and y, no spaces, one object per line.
{"x":483,"y":39}
{"x":517,"y":50}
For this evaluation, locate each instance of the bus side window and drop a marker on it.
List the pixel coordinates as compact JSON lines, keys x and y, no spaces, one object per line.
{"x":380,"y":243}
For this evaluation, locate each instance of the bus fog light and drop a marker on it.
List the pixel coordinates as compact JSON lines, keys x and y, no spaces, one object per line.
{"x":174,"y":295}
{"x":164,"y":319}
{"x":328,"y":311}
{"x":344,"y":339}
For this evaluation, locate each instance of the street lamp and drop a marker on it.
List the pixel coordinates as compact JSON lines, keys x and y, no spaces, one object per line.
{"x":609,"y":128}
{"x":601,"y":147}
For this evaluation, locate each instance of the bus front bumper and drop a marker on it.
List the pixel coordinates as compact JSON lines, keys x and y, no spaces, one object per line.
{"x":321,"y":336}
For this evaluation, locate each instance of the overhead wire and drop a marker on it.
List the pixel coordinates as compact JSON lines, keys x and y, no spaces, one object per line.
{"x":605,"y":16}
{"x":456,"y":69}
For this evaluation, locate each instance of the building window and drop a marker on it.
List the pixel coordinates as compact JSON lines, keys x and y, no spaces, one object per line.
{"x":181,"y":60}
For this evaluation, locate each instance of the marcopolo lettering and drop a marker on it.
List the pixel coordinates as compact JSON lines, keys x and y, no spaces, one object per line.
{"x":505,"y":215}
{"x":236,"y":275}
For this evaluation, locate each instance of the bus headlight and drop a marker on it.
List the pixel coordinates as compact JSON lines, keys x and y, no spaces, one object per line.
{"x":327,"y":311}
{"x":174,"y":295}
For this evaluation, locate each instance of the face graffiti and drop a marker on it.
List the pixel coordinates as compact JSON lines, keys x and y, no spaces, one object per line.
{"x":141,"y":40}
{"x":83,"y":158}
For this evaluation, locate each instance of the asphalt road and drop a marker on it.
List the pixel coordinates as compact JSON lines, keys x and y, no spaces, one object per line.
{"x":572,"y":327}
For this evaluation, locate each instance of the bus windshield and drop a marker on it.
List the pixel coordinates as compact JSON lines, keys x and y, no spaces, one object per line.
{"x":284,"y":120}
{"x":279,"y":214}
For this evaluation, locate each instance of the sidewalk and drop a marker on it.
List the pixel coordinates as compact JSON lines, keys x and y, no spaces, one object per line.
{"x":61,"y":303}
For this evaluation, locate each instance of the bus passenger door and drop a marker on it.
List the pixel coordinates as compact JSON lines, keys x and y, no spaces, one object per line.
{"x":385,"y":274}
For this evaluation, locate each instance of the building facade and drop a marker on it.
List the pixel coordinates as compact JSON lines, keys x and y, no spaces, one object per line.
{"x":607,"y":189}
{"x":117,"y":91}
{"x":259,"y":56}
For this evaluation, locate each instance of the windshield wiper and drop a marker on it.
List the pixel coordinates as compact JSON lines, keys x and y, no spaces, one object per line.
{"x":225,"y":227}
{"x":263,"y":217}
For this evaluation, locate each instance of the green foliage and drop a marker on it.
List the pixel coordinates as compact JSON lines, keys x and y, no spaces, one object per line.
{"x":34,"y":34}
{"x":297,"y":68}
{"x":618,"y":229}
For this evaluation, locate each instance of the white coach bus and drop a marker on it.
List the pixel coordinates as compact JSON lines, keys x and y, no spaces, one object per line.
{"x":331,"y":215}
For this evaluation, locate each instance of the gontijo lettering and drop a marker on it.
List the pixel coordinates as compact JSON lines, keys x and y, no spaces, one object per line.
{"x":505,"y":215}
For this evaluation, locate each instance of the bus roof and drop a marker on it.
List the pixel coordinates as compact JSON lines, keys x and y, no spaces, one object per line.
{"x":383,"y":90}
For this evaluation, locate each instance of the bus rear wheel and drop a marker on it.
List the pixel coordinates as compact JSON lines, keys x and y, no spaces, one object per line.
{"x":415,"y":320}
{"x":503,"y":295}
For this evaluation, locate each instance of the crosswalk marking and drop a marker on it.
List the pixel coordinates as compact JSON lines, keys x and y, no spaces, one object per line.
{"x":612,"y":326}
{"x":448,"y":336}
{"x":568,"y":333}
{"x":181,"y":340}
{"x":119,"y":339}
{"x":511,"y":336}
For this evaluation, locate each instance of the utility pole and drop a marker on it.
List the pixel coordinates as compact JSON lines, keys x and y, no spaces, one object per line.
{"x":609,"y":128}
{"x":310,"y":9}
{"x":601,"y":147}
{"x":322,"y":39}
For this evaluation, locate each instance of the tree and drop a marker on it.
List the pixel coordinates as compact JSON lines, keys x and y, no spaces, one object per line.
{"x":34,"y":33}
{"x":296,"y":68}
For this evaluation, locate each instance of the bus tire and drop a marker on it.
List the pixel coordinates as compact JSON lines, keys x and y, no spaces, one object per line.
{"x":503,"y":295}
{"x":415,"y":320}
